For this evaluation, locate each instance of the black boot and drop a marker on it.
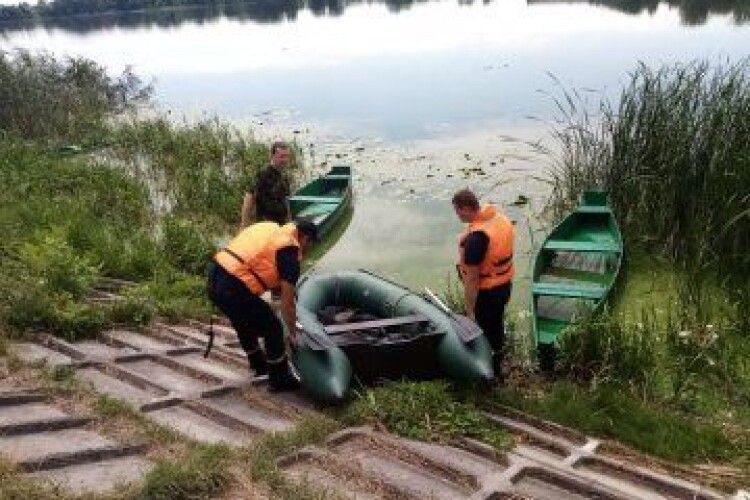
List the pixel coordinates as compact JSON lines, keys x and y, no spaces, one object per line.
{"x":280,"y":378}
{"x":258,"y":362}
{"x":497,"y":367}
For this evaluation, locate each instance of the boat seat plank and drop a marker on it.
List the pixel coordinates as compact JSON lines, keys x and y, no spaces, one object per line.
{"x":568,"y":275}
{"x":568,"y":290}
{"x":316,"y":199}
{"x":377,"y":323}
{"x":338,"y":177}
{"x":317,"y":209}
{"x":581,"y":246}
{"x":594,"y":209}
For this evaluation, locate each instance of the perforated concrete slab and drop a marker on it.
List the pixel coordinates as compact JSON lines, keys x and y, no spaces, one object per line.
{"x":141,"y":342}
{"x":98,"y":477}
{"x":28,"y":412}
{"x":409,"y":478}
{"x":541,"y":488}
{"x":455,"y":458}
{"x":165,"y":377}
{"x":390,"y":465}
{"x":113,"y":386}
{"x":194,"y":334}
{"x":29,"y":447}
{"x":210,"y":366}
{"x":197,"y":426}
{"x":102,"y":350}
{"x":243,"y":411}
{"x":35,"y":353}
{"x":323,"y":480}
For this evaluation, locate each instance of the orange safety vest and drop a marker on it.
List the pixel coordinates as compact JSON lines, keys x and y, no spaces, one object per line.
{"x":251,"y":255}
{"x":497,"y":267}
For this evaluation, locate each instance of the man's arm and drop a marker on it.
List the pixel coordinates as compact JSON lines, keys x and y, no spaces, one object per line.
{"x":471,"y":289}
{"x":289,"y":310}
{"x":287,"y":263}
{"x":248,"y":210}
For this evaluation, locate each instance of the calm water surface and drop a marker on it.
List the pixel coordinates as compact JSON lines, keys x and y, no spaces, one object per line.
{"x":411,"y":95}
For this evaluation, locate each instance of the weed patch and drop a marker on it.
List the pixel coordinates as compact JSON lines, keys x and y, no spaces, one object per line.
{"x":262,"y":458}
{"x":201,"y":474}
{"x":611,"y":412}
{"x":428,"y":411}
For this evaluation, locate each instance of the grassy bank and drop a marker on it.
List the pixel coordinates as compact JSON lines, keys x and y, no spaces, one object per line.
{"x":430,"y":411}
{"x":145,"y":201}
{"x":665,"y":368}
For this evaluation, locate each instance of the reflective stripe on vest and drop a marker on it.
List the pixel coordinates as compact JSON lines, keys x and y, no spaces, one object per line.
{"x":251,"y":255}
{"x":497,"y":266}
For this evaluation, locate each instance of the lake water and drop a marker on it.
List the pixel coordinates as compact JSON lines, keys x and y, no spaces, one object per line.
{"x":412,"y":94}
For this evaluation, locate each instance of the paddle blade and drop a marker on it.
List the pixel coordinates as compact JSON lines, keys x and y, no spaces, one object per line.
{"x":466,"y":328}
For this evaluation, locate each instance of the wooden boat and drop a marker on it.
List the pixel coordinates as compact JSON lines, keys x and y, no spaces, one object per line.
{"x":399,"y":333}
{"x":574,"y":271}
{"x":325,"y":199}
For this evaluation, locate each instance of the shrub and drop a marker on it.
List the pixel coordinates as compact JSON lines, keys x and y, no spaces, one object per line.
{"x":61,"y":100}
{"x":186,"y":245}
{"x":607,"y":349}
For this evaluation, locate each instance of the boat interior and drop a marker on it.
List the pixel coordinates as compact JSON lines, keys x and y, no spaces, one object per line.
{"x":321,"y":196}
{"x":576,"y":266}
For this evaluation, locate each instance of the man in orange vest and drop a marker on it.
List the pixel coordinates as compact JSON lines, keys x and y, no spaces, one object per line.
{"x":485,"y":267}
{"x":263,"y":256}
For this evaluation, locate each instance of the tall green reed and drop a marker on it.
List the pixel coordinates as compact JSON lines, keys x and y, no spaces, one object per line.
{"x":674,"y":153}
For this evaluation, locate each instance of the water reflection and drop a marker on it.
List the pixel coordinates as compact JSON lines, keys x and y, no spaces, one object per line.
{"x":84,"y":17}
{"x":692,"y":12}
{"x":414,"y":242}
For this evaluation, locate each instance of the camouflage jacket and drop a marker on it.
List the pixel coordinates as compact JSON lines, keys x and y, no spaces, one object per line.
{"x":272,"y":188}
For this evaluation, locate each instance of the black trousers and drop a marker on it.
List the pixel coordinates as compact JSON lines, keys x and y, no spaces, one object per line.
{"x":250,"y":315}
{"x":490,"y":315}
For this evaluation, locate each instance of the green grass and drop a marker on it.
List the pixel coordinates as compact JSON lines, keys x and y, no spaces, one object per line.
{"x":69,"y":219}
{"x":200,"y":171}
{"x":203,"y":473}
{"x":430,"y":411}
{"x":671,"y":353}
{"x":262,"y":457}
{"x":610,"y":412}
{"x":61,"y":100}
{"x":17,"y":486}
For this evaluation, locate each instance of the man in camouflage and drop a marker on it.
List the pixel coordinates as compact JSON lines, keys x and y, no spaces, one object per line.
{"x":268,"y":199}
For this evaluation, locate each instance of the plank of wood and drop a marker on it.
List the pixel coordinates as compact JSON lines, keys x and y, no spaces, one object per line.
{"x":377,"y":323}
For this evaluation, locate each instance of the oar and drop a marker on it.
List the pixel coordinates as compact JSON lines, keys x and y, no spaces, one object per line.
{"x":466,"y":328}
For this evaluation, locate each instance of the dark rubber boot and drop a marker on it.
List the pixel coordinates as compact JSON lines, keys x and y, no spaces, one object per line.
{"x":258,"y":363}
{"x":280,"y":378}
{"x":497,"y":367}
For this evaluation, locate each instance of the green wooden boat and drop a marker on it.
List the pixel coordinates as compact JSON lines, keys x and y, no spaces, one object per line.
{"x":398,"y":333}
{"x":325,"y":199}
{"x":574,"y":271}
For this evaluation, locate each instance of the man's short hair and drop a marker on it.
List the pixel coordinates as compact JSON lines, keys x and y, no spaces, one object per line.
{"x":308,"y":228}
{"x":278,"y":145}
{"x":465,"y":199}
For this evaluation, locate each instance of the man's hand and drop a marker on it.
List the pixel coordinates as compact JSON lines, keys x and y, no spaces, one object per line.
{"x":293,"y":340}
